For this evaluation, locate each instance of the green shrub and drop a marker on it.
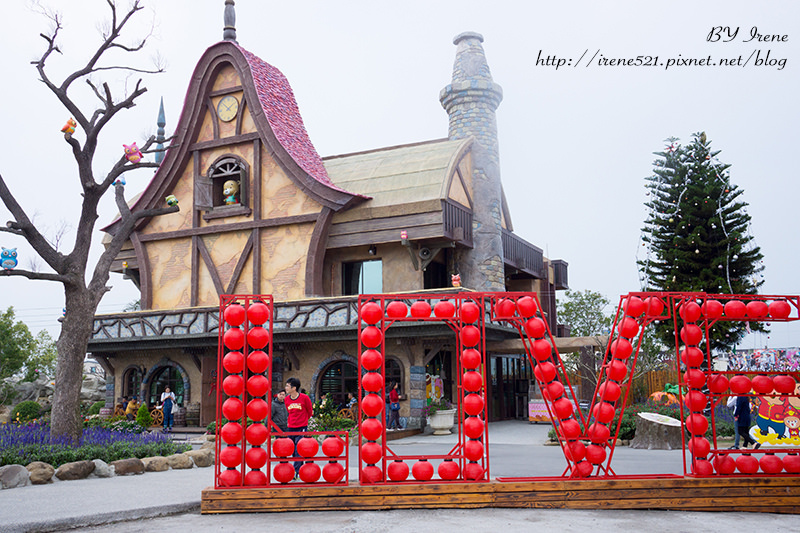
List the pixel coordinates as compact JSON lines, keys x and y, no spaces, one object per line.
{"x":95,"y":408}
{"x":143,"y":417}
{"x":25,"y":412}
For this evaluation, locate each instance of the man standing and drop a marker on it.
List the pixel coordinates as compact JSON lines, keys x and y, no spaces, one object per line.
{"x":299,"y":411}
{"x":279,"y":414}
{"x":741,"y":417}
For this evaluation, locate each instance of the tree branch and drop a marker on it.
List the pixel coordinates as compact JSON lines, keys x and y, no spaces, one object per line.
{"x":35,"y":275}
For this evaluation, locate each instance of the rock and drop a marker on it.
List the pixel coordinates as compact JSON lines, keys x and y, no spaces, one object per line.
{"x":76,"y":470}
{"x":208,"y":445}
{"x":103,"y":469}
{"x":202,"y":457}
{"x":657,"y":432}
{"x":93,"y":388}
{"x":133,"y":465}
{"x":41,"y":473}
{"x":180,"y":461}
{"x":155,"y":464}
{"x":5,"y":414}
{"x":12,"y":476}
{"x":211,"y":437}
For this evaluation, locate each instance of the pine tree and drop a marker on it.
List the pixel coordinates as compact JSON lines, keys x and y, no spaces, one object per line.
{"x":697,"y":233}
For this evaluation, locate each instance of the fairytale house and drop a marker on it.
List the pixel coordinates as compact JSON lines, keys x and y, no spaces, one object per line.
{"x":263,"y":213}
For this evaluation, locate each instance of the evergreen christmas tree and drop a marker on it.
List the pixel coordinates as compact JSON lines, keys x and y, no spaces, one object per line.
{"x":697,"y":234}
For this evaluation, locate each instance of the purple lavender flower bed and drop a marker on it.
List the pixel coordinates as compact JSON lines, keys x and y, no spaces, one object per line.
{"x":25,"y":443}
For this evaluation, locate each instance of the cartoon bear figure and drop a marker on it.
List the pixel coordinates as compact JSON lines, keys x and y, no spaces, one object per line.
{"x":230,"y":190}
{"x":792,"y":421}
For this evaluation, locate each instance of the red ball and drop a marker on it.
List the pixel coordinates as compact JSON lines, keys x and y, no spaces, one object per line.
{"x":784,"y":384}
{"x":258,"y":337}
{"x":257,"y":386}
{"x":473,"y":427}
{"x":471,"y":358}
{"x":473,"y":450}
{"x":718,"y":383}
{"x":333,"y":446}
{"x":604,"y":412}
{"x":735,"y":310}
{"x":690,"y":312}
{"x":771,"y":464}
{"x":283,"y":447}
{"x":309,"y":472}
{"x":470,"y":335}
{"x":307,"y":447}
{"x":696,"y":424}
{"x":230,"y":478}
{"x":371,"y":452}
{"x":621,"y":349}
{"x":724,"y":464}
{"x":617,"y":370}
{"x":257,"y":409}
{"x":695,"y":378}
{"x":599,"y":433}
{"x":780,"y":309}
{"x":473,"y":404}
{"x":444,"y":309}
{"x":756,"y":309}
{"x":747,"y":464}
{"x":233,"y":385}
{"x":527,"y":306}
{"x":711,"y":309}
{"x":333,"y":472}
{"x":256,"y":434}
{"x":740,"y":385}
{"x":232,"y":432}
{"x":628,"y":327}
{"x":470,"y":312}
{"x":397,"y":309}
{"x":371,"y":313}
{"x":691,"y":334}
{"x":545,"y":372}
{"x":371,"y":337}
{"x":255,"y":478}
{"x":703,"y":467}
{"x":791,"y":463}
{"x":699,"y":446}
{"x":583,"y":469}
{"x":472,"y":381}
{"x":595,"y":454}
{"x":541,"y":350}
{"x":233,"y":362}
{"x":692,"y":356}
{"x":258,"y":313}
{"x":422,"y":470}
{"x":371,"y":429}
{"x":762,"y":384}
{"x":232,"y":408}
{"x":554,"y":390}
{"x":535,"y":328}
{"x":695,"y":400}
{"x":448,"y":470}
{"x":505,"y":308}
{"x":563,"y":408}
{"x":372,"y":405}
{"x":634,"y":306}
{"x":421,"y":309}
{"x":234,"y":315}
{"x":283,"y":472}
{"x":230,"y":456}
{"x":473,"y":472}
{"x":257,"y":362}
{"x":575,"y":451}
{"x":372,"y":381}
{"x":570,"y":429}
{"x":233,"y":339}
{"x":397,"y":471}
{"x":654,"y":306}
{"x":256,"y":457}
{"x":610,"y":391}
{"x":371,"y":359}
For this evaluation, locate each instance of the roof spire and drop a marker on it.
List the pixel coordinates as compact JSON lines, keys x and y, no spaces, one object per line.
{"x":161,"y":122}
{"x":229,"y":30}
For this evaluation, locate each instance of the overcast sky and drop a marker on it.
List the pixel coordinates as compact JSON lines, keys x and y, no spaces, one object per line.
{"x":575,"y":143}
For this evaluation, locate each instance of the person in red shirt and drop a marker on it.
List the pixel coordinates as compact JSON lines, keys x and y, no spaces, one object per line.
{"x":299,"y":410}
{"x":394,"y":407}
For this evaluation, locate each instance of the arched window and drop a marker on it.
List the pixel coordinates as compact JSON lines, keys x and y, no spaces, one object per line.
{"x":166,"y":377}
{"x":131,"y":382}
{"x":337,"y":380}
{"x":394,"y":374}
{"x":223,"y":191}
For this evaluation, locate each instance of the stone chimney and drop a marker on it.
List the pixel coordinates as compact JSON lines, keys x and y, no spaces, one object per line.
{"x":471,"y":101}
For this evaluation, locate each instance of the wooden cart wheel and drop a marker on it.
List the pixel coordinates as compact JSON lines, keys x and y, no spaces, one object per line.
{"x":346,"y":413}
{"x":158,"y":416}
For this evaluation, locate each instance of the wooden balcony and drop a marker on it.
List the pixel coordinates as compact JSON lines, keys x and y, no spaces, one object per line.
{"x":522,"y":255}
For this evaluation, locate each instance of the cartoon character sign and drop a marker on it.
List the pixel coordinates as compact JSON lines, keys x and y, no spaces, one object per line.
{"x":132,"y":153}
{"x":778,"y":420}
{"x":8,"y":258}
{"x":230,"y":190}
{"x":792,"y":421}
{"x":456,"y":280}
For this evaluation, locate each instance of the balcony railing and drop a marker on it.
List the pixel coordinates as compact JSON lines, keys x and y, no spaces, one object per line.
{"x":560,"y":279}
{"x":457,"y":222}
{"x":522,"y":255}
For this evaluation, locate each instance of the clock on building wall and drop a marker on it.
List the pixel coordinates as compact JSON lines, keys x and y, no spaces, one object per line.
{"x":227,"y":108}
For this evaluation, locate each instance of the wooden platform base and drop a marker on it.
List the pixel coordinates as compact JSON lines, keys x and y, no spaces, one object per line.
{"x":771,"y":495}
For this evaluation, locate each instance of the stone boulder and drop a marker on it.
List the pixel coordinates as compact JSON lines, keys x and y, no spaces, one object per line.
{"x":180,"y":461}
{"x":155,"y":464}
{"x":208,"y":445}
{"x":5,"y":414}
{"x":12,"y":476}
{"x":41,"y":473}
{"x":93,"y":388}
{"x":102,"y":469}
{"x":202,"y":457}
{"x":123,"y":467}
{"x":76,"y":470}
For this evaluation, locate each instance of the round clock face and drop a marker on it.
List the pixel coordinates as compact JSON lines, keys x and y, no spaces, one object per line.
{"x":227,"y":108}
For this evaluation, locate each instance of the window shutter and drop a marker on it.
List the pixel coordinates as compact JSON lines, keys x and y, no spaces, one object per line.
{"x":203,"y":197}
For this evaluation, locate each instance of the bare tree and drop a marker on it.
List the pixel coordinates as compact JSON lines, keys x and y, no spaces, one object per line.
{"x":83,"y":290}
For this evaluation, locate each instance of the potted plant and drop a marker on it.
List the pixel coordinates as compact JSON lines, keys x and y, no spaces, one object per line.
{"x":441,"y":416}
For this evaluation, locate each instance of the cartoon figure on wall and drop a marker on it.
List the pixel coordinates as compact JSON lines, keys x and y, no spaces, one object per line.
{"x":792,"y":422}
{"x":230,"y":190}
{"x":69,"y":128}
{"x":132,"y":153}
{"x":434,"y":387}
{"x":8,"y":258}
{"x":455,"y":280}
{"x":778,"y":420}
